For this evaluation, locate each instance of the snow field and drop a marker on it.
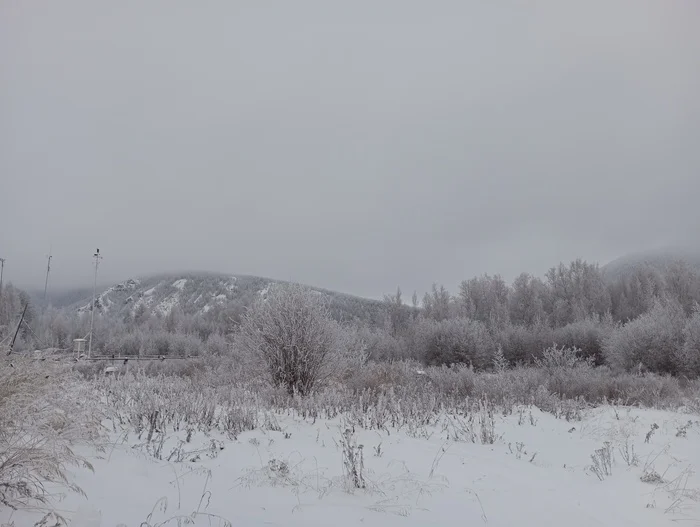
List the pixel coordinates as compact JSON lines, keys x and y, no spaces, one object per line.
{"x":525,"y":468}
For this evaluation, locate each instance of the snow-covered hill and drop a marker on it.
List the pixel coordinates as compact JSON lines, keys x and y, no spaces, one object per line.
{"x":660,"y":260}
{"x":209,"y":294}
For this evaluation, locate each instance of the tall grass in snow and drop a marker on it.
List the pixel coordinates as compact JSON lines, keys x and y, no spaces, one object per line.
{"x":44,"y":411}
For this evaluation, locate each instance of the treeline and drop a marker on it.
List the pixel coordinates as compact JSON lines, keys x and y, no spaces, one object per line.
{"x":645,"y":320}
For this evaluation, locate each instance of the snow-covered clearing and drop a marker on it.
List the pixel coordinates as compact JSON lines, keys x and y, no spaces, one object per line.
{"x":292,"y":471}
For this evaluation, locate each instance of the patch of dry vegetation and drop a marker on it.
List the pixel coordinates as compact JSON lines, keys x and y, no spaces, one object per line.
{"x":45,"y":410}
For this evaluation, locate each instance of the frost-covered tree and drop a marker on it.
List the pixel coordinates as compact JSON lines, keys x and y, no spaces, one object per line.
{"x":635,"y":293}
{"x":588,"y":336}
{"x":485,"y":299}
{"x":382,"y":346}
{"x":525,"y":344}
{"x":415,"y":309}
{"x":437,"y":304}
{"x":689,"y":358}
{"x":173,"y":319}
{"x":653,"y":341}
{"x":398,"y":315}
{"x":577,"y":291}
{"x":457,"y":340}
{"x":291,"y":334}
{"x":527,"y":301}
{"x":683,"y":284}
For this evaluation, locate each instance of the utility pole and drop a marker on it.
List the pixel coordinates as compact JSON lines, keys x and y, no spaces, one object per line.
{"x":48,"y":268}
{"x":97,"y":258}
{"x":2,"y":269}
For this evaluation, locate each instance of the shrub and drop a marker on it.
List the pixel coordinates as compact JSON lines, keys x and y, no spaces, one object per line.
{"x":523,"y":344}
{"x":457,"y":379}
{"x":587,"y":335}
{"x":381,"y":346}
{"x":554,"y":359}
{"x":216,"y":344}
{"x":653,"y":341}
{"x":689,"y":359}
{"x":291,"y":334}
{"x":383,"y":376}
{"x":456,"y":341}
{"x":126,"y":344}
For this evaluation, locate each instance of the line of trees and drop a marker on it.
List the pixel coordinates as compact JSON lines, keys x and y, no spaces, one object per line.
{"x":647,"y":319}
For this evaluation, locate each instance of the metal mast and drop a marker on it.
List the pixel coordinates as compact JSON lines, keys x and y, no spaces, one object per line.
{"x":97,"y":258}
{"x":48,"y":268}
{"x":2,"y":269}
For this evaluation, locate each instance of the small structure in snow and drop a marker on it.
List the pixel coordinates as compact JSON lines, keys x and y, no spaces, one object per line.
{"x":79,"y":346}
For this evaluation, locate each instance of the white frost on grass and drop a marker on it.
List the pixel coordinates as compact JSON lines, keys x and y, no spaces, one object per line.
{"x":536,"y":473}
{"x":180,"y":284}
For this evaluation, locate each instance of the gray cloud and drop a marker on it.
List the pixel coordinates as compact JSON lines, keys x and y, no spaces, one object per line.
{"x":355,"y":146}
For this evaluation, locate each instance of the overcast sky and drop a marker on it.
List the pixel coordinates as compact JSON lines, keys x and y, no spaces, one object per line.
{"x":354,"y":145}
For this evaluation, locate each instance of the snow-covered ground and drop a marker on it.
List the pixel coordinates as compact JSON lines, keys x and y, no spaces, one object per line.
{"x":291,"y":472}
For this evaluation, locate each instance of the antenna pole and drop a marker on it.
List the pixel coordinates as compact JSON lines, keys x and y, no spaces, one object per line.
{"x":48,"y":268}
{"x":97,"y":258}
{"x":24,"y":312}
{"x":2,"y":269}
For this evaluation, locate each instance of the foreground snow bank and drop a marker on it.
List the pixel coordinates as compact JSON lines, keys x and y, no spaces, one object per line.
{"x":616,"y":467}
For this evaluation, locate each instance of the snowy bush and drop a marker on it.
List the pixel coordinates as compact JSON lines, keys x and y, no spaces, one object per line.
{"x":522,"y":344}
{"x":555,"y":358}
{"x":457,"y":341}
{"x":381,"y":346}
{"x":457,"y":379}
{"x":689,"y":357}
{"x":587,"y":335}
{"x":216,"y":344}
{"x":347,"y":355}
{"x":291,"y":334}
{"x":653,"y":341}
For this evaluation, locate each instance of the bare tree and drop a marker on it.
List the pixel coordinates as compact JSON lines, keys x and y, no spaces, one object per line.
{"x":577,"y":291}
{"x":485,"y":299}
{"x":398,"y":315}
{"x":292,"y":335}
{"x":683,"y":284}
{"x":527,"y":300}
{"x":437,"y":306}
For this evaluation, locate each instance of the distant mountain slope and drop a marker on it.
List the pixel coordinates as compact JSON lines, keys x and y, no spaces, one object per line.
{"x":211,"y":295}
{"x":659,"y":260}
{"x":61,"y":298}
